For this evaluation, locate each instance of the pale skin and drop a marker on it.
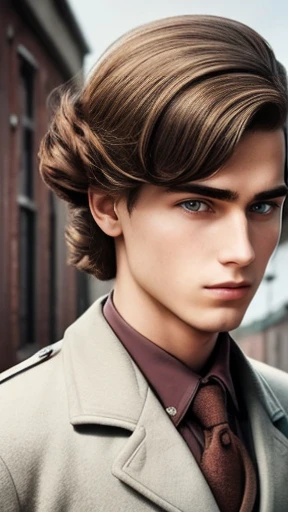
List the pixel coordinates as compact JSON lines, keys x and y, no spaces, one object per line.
{"x":175,"y":246}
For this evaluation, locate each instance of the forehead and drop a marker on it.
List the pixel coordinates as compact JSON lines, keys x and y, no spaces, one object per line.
{"x":259,"y":158}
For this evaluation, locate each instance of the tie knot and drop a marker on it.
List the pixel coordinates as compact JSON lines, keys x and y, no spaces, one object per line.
{"x":209,"y":405}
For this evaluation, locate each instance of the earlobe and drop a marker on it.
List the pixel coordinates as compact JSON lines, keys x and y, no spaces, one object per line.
{"x":103,"y":210}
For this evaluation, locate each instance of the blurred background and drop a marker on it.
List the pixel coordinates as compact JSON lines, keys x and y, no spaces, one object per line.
{"x":43,"y":44}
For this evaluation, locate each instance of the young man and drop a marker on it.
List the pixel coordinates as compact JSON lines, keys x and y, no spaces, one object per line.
{"x":172,"y":160}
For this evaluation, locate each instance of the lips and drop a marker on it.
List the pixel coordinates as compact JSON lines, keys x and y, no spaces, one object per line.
{"x":229,"y":291}
{"x":230,"y":284}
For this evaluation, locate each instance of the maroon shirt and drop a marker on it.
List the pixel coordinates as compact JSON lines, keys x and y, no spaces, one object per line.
{"x":175,"y":384}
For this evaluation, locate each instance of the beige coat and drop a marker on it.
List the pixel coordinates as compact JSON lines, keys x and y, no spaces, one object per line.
{"x":82,"y":431}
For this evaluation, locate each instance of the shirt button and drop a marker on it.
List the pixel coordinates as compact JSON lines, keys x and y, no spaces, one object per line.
{"x":225,"y":438}
{"x":172,"y":411}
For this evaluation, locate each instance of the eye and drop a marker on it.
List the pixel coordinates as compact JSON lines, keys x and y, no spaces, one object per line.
{"x":263,"y":208}
{"x":195,"y":206}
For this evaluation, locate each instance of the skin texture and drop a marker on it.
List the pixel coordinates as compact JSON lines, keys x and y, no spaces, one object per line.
{"x":175,"y":245}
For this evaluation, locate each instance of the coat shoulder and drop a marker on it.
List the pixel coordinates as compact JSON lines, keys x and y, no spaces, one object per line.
{"x":32,"y":396}
{"x":44,"y":354}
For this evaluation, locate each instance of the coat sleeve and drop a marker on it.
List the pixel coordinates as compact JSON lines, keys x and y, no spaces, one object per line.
{"x":9,"y":501}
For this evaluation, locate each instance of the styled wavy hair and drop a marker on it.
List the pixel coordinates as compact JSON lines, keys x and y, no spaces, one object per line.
{"x":166,"y":104}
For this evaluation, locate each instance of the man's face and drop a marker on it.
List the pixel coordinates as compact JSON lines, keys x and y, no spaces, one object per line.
{"x":200,"y":254}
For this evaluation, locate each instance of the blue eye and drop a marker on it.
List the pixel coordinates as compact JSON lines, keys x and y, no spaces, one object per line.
{"x":263,"y":208}
{"x":194,"y":206}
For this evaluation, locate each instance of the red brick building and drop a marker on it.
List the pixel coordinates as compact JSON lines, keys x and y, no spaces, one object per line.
{"x":41,"y":46}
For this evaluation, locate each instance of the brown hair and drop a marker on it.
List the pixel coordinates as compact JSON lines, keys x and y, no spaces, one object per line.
{"x":167,"y":103}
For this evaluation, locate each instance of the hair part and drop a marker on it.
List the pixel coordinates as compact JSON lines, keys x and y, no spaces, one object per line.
{"x":166,"y":104}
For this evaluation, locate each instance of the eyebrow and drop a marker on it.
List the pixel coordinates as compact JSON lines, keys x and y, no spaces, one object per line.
{"x":224,"y":194}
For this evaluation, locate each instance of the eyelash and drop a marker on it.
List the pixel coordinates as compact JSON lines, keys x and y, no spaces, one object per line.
{"x":272,"y":204}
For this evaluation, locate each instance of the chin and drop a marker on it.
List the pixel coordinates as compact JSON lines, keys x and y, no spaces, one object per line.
{"x":227,"y":321}
{"x":230,"y":324}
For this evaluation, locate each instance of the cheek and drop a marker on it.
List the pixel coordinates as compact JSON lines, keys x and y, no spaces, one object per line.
{"x":154,"y":235}
{"x":144,"y":245}
{"x":168,"y":243}
{"x":163,"y":259}
{"x":266,"y":243}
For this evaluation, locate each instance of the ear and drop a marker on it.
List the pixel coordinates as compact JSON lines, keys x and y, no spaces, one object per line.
{"x":102,"y":207}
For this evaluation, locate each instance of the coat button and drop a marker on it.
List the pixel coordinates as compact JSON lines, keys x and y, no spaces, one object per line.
{"x":44,"y":352}
{"x":172,"y":411}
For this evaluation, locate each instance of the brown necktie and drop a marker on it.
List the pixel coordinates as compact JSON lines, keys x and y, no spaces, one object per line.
{"x":225,"y":462}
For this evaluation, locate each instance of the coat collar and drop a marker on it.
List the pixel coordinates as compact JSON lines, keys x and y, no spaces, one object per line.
{"x":103,"y":383}
{"x":105,"y":387}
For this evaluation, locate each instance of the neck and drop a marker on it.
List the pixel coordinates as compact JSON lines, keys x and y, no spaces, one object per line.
{"x":161,"y":326}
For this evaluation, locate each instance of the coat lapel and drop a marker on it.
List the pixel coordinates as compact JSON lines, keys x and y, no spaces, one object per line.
{"x":157,"y":463}
{"x":271,"y":445}
{"x":105,"y":387}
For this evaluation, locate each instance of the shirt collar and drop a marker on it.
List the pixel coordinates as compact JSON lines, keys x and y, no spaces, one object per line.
{"x":173,"y":382}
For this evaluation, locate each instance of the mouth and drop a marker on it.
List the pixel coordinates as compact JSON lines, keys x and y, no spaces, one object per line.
{"x":230,"y":290}
{"x":230,"y":284}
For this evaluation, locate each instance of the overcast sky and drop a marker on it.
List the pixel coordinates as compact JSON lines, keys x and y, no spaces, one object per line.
{"x":103,"y":22}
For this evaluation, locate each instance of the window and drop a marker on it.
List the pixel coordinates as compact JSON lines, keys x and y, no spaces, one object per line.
{"x":52,"y":270}
{"x":26,"y":203}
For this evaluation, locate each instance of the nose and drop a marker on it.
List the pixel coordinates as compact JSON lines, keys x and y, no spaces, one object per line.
{"x":236,"y":245}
